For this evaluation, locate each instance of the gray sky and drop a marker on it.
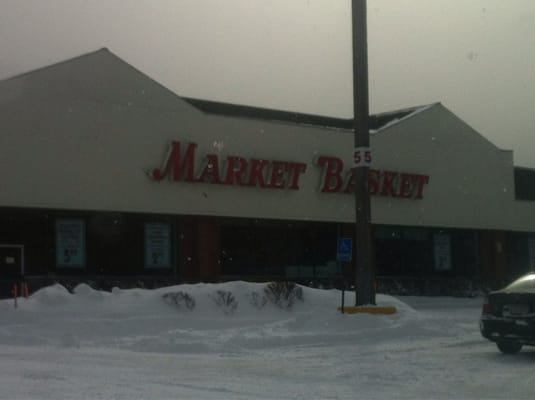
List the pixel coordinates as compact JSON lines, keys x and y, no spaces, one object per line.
{"x":475,"y":56}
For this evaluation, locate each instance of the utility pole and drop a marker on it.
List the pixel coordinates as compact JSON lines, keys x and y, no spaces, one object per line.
{"x":364,"y":259}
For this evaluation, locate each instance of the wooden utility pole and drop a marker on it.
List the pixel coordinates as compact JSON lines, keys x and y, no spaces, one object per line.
{"x":364,"y":258}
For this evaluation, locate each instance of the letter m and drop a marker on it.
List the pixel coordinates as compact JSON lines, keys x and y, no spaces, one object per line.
{"x":175,"y":166}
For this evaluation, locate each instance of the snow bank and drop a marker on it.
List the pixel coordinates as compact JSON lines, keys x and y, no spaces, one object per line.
{"x":189,"y":318}
{"x":233,"y":342}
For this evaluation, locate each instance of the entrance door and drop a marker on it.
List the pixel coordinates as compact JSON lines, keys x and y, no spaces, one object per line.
{"x":11,"y":261}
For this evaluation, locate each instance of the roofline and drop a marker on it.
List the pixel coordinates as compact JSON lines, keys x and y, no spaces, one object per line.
{"x":250,"y":112}
{"x":476,"y":131}
{"x":53,"y":65}
{"x":108,"y":52}
{"x":408,"y":113}
{"x":378,"y":122}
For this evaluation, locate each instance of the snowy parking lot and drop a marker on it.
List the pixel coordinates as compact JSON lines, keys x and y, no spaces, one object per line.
{"x":230,"y":341}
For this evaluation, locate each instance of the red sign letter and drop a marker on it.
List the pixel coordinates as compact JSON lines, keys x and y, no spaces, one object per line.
{"x":236,"y":170}
{"x":420,"y":181}
{"x":295,"y":170}
{"x":332,"y":168}
{"x":172,"y":160}
{"x":277,"y":174}
{"x":210,"y":172}
{"x":374,"y":182}
{"x":405,"y":186}
{"x":257,"y":173}
{"x":388,"y":188}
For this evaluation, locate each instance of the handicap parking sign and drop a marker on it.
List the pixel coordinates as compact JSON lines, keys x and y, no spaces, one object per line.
{"x":344,"y":249}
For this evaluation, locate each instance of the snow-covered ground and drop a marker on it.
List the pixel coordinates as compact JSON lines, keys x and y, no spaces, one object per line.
{"x":140,"y":344}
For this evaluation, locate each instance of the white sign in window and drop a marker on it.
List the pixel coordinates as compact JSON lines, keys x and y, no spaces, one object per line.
{"x":70,"y":243}
{"x":442,"y":244}
{"x":157,"y":245}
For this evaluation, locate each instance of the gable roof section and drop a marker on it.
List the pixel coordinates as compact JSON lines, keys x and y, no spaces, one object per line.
{"x":98,"y":76}
{"x":101,"y":76}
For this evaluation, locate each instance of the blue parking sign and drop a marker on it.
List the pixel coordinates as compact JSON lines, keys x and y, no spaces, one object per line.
{"x":344,"y":249}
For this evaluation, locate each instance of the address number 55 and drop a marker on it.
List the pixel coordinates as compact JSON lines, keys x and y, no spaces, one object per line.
{"x":362,"y":157}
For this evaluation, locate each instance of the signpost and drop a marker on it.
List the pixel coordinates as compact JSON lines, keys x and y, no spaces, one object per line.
{"x":363,"y":260}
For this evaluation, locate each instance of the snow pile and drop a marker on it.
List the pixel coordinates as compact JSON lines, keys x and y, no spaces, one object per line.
{"x":189,"y":318}
{"x":241,"y":340}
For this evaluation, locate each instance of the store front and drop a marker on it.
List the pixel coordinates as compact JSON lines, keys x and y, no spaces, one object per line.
{"x":159,"y":189}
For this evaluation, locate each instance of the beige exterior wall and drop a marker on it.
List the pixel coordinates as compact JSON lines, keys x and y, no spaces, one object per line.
{"x":84,"y":140}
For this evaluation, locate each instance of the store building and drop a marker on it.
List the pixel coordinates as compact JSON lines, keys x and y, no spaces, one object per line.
{"x":110,"y":177}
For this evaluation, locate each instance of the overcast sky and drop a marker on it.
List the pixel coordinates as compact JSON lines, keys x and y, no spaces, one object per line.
{"x":475,"y":56}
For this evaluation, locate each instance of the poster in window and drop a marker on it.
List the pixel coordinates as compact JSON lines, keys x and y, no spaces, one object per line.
{"x":442,"y":246}
{"x":157,"y":245}
{"x":70,"y":243}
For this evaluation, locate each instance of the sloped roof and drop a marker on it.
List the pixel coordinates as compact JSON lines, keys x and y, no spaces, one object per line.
{"x":91,"y":73}
{"x":99,"y":76}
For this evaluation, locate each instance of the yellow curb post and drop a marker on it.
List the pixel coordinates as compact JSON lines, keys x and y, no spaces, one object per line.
{"x":378,"y":310}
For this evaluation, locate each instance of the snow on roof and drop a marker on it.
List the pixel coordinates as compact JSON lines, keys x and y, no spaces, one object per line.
{"x":391,"y":118}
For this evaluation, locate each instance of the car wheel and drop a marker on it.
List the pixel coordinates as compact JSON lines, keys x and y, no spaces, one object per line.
{"x":509,"y":347}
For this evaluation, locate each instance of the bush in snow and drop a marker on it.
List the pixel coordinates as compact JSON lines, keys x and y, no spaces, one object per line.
{"x":179,"y":299}
{"x":226,"y":300}
{"x":258,"y":301}
{"x":283,"y":294}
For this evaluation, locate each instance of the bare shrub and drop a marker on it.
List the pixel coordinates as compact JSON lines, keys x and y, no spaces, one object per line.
{"x":180,"y":300}
{"x":283,"y":294}
{"x":257,"y":301}
{"x":226,"y":300}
